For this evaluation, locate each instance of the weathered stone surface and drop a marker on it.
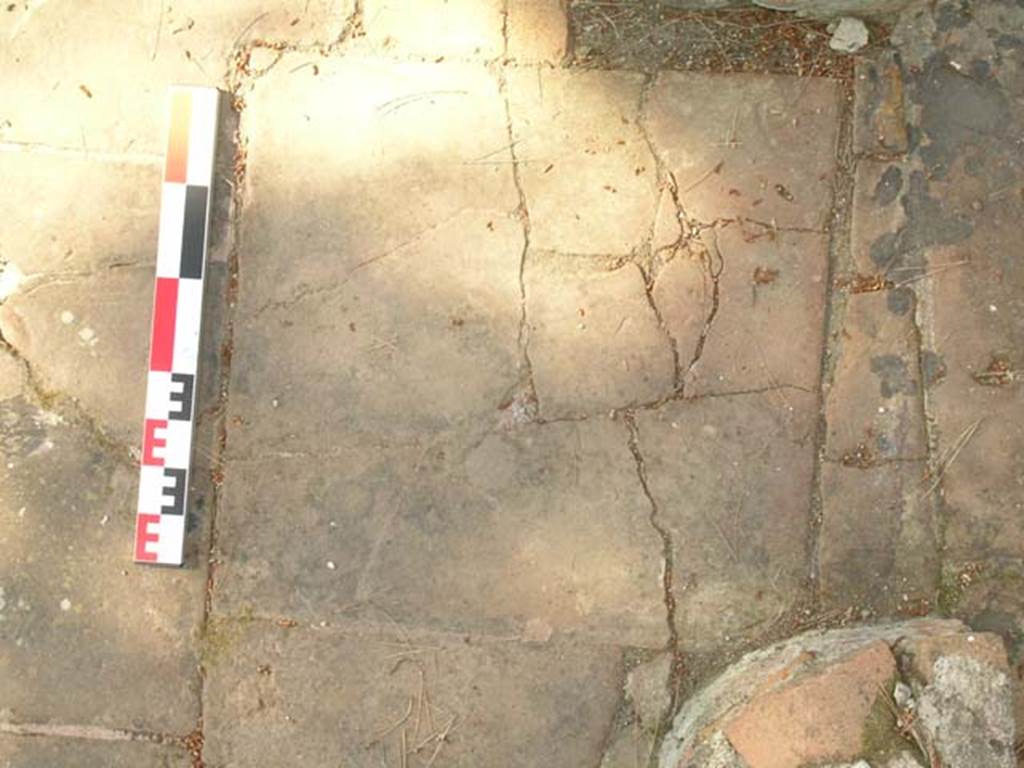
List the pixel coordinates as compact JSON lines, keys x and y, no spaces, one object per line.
{"x":57,"y":66}
{"x":470,"y":533}
{"x":72,"y":215}
{"x":417,"y":313}
{"x":587,"y":173}
{"x":878,"y":215}
{"x":750,"y":146}
{"x":768,"y":326}
{"x":715,"y":467}
{"x":873,"y":407}
{"x":918,"y":655}
{"x":878,"y":540}
{"x":801,"y":681}
{"x":963,"y":217}
{"x":88,"y":338}
{"x":880,"y":125}
{"x":817,"y":718}
{"x":538,"y":31}
{"x":38,"y":751}
{"x":276,"y":696}
{"x":12,"y":375}
{"x":436,"y":28}
{"x":85,"y":638}
{"x":967,"y":713}
{"x":594,"y":341}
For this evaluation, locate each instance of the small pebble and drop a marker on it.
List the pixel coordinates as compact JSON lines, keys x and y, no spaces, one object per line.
{"x":330,"y":565}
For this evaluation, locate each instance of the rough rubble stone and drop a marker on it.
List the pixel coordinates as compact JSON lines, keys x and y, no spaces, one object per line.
{"x":436,"y":28}
{"x":37,"y":751}
{"x":594,"y":341}
{"x":768,"y":327}
{"x":849,"y":35}
{"x":57,"y":65}
{"x":714,"y":466}
{"x":918,"y":655}
{"x":84,"y":637}
{"x":276,"y":696}
{"x":751,"y":146}
{"x":538,"y":31}
{"x":828,"y":9}
{"x":474,"y":533}
{"x":798,"y":682}
{"x":587,"y":174}
{"x":967,"y":713}
{"x":817,"y":718}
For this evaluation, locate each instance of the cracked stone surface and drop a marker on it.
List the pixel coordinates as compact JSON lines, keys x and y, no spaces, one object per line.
{"x":85,"y":638}
{"x":766,"y":328}
{"x":531,"y":395}
{"x":737,"y":543}
{"x":595,"y":343}
{"x":587,"y":173}
{"x":751,"y":147}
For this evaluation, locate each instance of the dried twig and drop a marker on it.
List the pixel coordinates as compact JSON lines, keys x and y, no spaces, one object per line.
{"x":954,"y":452}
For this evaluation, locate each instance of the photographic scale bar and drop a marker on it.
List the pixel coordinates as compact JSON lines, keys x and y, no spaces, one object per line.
{"x":171,"y":389}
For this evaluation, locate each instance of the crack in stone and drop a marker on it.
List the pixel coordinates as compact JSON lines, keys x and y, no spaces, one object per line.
{"x":677,"y":671}
{"x":89,"y":732}
{"x":708,"y":258}
{"x":69,"y":409}
{"x":527,"y":399}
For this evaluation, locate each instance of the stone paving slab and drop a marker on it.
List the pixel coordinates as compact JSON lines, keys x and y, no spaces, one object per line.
{"x":84,"y":637}
{"x":739,"y":541}
{"x":772,"y":140}
{"x":40,"y":751}
{"x":878,"y":215}
{"x":595,"y":342}
{"x":545,"y":525}
{"x":57,"y":65}
{"x":873,"y":410}
{"x":424,"y":307}
{"x":878,"y":538}
{"x":276,"y":696}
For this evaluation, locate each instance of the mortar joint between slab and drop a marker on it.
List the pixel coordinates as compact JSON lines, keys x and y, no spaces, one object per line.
{"x":839,"y":249}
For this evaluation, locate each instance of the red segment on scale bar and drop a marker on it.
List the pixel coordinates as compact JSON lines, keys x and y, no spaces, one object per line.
{"x":165,"y":307}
